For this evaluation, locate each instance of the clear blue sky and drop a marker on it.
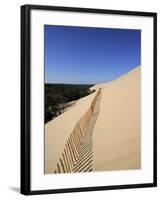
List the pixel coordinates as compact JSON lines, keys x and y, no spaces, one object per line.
{"x":83,"y":55}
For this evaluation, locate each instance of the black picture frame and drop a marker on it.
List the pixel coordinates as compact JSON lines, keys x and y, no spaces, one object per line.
{"x":25,"y":98}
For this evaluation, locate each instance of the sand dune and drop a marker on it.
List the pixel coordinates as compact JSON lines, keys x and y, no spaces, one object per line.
{"x":101,"y":132}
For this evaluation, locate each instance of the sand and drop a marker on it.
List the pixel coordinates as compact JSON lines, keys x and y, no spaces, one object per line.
{"x":101,"y":132}
{"x":59,"y":130}
{"x":117,"y":132}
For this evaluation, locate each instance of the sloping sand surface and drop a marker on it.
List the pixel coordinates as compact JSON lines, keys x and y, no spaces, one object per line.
{"x":100,"y":132}
{"x":59,"y":130}
{"x":116,"y":136}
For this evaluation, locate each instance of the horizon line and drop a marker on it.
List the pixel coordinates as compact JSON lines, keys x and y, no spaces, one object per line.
{"x":95,"y":83}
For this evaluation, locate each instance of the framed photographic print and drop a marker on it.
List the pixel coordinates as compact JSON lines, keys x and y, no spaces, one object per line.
{"x":88,"y":99}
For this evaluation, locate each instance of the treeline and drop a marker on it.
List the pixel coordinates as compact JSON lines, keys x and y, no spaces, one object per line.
{"x":58,"y":95}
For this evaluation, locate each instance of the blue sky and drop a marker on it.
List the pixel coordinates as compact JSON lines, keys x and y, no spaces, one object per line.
{"x":83,"y":55}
